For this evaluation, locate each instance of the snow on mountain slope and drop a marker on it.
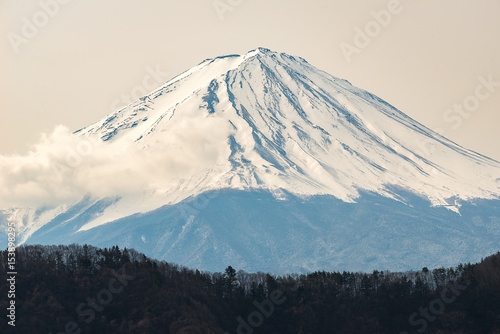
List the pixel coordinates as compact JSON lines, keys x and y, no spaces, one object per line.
{"x":270,"y":121}
{"x":281,"y":123}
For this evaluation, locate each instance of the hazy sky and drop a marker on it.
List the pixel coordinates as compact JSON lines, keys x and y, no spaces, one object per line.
{"x":72,"y":62}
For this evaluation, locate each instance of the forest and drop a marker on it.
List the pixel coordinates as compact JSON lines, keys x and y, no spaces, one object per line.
{"x":84,"y":289}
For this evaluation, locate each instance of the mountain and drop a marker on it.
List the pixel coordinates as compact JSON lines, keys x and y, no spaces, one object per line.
{"x":264,"y":162}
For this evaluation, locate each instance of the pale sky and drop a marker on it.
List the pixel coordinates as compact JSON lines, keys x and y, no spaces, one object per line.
{"x":73,"y":62}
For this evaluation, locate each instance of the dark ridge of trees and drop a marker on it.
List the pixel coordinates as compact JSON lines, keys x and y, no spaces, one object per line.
{"x":84,"y":289}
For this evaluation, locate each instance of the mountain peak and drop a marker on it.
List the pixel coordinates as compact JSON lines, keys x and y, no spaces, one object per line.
{"x":249,"y":54}
{"x":262,"y":53}
{"x":262,"y":50}
{"x":273,"y":54}
{"x":282,"y":123}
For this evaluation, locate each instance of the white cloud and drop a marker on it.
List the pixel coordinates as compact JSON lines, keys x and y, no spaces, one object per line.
{"x":63,"y":167}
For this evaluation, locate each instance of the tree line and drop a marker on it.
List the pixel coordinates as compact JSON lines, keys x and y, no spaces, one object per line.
{"x":84,"y":289}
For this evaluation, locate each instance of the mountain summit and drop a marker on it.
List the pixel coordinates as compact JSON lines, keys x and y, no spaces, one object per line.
{"x":267,"y":131}
{"x":282,"y":123}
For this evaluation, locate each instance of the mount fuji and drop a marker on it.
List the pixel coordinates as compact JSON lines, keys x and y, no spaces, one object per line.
{"x":266,"y":163}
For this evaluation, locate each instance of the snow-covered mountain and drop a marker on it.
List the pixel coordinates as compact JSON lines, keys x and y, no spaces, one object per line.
{"x":245,"y":136}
